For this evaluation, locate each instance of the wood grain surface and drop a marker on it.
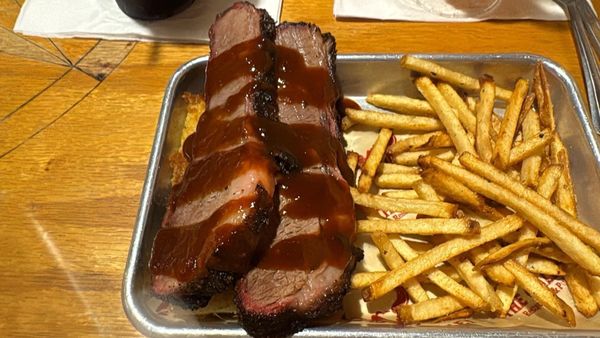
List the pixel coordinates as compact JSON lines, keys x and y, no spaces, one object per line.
{"x":77,"y":120}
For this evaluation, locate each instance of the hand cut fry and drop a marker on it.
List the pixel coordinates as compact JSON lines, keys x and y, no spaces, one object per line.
{"x":347,"y":123}
{"x":435,"y":209}
{"x":421,"y":226}
{"x":548,"y":182}
{"x":436,"y":139}
{"x":404,"y":194}
{"x":584,"y":232}
{"x":446,"y":115}
{"x":495,"y":272}
{"x":394,"y":121}
{"x":438,"y":72}
{"x":508,"y":250}
{"x":433,"y":308}
{"x":375,"y":156}
{"x":446,"y":283}
{"x":465,"y":116}
{"x":464,"y":313}
{"x":402,"y":104}
{"x":543,"y":266}
{"x":477,"y":283}
{"x":425,"y":191}
{"x":509,"y":124}
{"x":530,"y":168}
{"x":530,"y":147}
{"x":484,"y":109}
{"x":544,"y":100}
{"x":390,"y":168}
{"x":411,"y":158}
{"x":506,"y":295}
{"x":553,"y":252}
{"x":471,"y":103}
{"x":594,"y":283}
{"x":439,"y":254}
{"x":397,"y":181}
{"x":352,"y":159}
{"x":565,"y":194}
{"x":361,"y":279}
{"x":568,"y":242}
{"x":393,"y":260}
{"x":580,"y":290}
{"x":540,"y":292}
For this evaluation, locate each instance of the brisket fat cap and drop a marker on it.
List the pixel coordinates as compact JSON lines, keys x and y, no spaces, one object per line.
{"x":220,"y":214}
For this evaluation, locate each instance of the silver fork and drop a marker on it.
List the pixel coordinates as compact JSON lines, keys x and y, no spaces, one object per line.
{"x":588,"y":46}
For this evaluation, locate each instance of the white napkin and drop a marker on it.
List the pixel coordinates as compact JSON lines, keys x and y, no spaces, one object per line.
{"x":412,"y":10}
{"x":103,"y":19}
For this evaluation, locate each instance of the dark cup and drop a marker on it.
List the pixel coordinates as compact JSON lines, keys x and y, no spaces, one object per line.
{"x":152,"y":9}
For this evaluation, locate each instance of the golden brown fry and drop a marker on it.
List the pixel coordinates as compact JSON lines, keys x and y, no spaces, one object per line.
{"x":446,"y":283}
{"x":361,"y":279}
{"x":484,"y":109}
{"x":394,"y":121}
{"x":465,"y":116}
{"x":594,"y":283}
{"x":347,"y":123}
{"x":421,"y":226}
{"x":580,"y":290}
{"x":584,"y":232}
{"x":525,"y":109}
{"x":495,"y":272}
{"x":471,"y":103}
{"x":506,"y":294}
{"x":544,"y":266}
{"x":495,"y":131}
{"x":519,"y":200}
{"x":438,"y":72}
{"x":542,"y":92}
{"x":393,"y":260}
{"x":530,"y":147}
{"x":565,"y":194}
{"x":464,"y":313}
{"x":397,"y":181}
{"x":375,"y":156}
{"x":509,"y":124}
{"x":352,"y":159}
{"x":433,"y":308}
{"x":446,"y":115}
{"x":436,"y":139}
{"x":390,"y":168}
{"x":404,"y":194}
{"x":402,"y":104}
{"x":554,"y":253}
{"x":439,"y":254}
{"x":411,"y":158}
{"x":425,"y":191}
{"x":540,"y":292}
{"x":508,"y":250}
{"x":477,"y":282}
{"x":434,"y":209}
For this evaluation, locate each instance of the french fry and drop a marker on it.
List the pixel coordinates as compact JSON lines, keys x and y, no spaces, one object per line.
{"x":553,"y":252}
{"x":465,"y":116}
{"x":390,"y":168}
{"x":439,"y":254}
{"x":518,"y":200}
{"x":525,"y":109}
{"x":446,"y":283}
{"x":477,"y":282}
{"x":425,"y":191}
{"x":540,"y":292}
{"x":544,"y":266}
{"x":436,"y":139}
{"x":433,"y":308}
{"x":375,"y":156}
{"x":464,"y":313}
{"x":446,"y":115}
{"x":495,"y":131}
{"x":394,"y":121}
{"x":506,"y":294}
{"x":565,"y":194}
{"x":347,"y":123}
{"x":360,"y":280}
{"x":404,"y":194}
{"x":530,"y":147}
{"x":578,"y":285}
{"x":495,"y":272}
{"x":508,"y":250}
{"x":471,"y":103}
{"x":583,"y":232}
{"x":401,"y":104}
{"x":393,"y":260}
{"x":509,"y":124}
{"x":484,"y":109}
{"x":410,"y":158}
{"x":434,"y":209}
{"x":421,"y":226}
{"x":438,"y":72}
{"x":544,"y":100}
{"x":594,"y":283}
{"x":396,"y":181}
{"x":352,"y":159}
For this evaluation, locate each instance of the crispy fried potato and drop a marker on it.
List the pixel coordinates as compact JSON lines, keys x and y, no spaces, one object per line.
{"x":352,"y":159}
{"x":530,"y":169}
{"x":375,"y":156}
{"x":434,"y":209}
{"x":410,"y":158}
{"x":506,"y":294}
{"x":565,"y":194}
{"x":495,"y":272}
{"x":403,"y":194}
{"x":530,"y":147}
{"x":477,"y":282}
{"x":436,"y":139}
{"x":394,"y":121}
{"x":544,"y":266}
{"x":421,"y":226}
{"x":594,"y":283}
{"x":390,"y":168}
{"x":360,"y":280}
{"x":554,"y":253}
{"x":433,"y":308}
{"x":544,"y":100}
{"x":464,"y":114}
{"x":578,"y":285}
{"x":397,"y":181}
{"x":402,"y":104}
{"x":484,"y":109}
{"x":425,"y":191}
{"x":347,"y":123}
{"x":508,"y":250}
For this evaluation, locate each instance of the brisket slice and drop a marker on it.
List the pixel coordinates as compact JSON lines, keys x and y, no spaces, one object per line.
{"x":306,"y":271}
{"x":218,"y":217}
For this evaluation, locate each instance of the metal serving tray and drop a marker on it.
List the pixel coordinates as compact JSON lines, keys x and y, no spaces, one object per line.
{"x":358,"y":75}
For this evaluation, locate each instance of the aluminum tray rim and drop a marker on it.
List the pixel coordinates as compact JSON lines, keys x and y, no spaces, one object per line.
{"x":147,"y":327}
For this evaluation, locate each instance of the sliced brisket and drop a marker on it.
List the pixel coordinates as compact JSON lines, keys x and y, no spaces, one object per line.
{"x":219,"y":215}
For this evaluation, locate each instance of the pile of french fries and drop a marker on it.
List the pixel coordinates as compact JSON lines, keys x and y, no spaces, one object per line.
{"x":493,"y":196}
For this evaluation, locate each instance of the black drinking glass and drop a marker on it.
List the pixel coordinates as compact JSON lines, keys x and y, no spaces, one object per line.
{"x":152,"y":9}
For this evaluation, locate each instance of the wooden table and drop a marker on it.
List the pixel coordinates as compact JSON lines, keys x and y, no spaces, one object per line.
{"x":77,"y":121}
